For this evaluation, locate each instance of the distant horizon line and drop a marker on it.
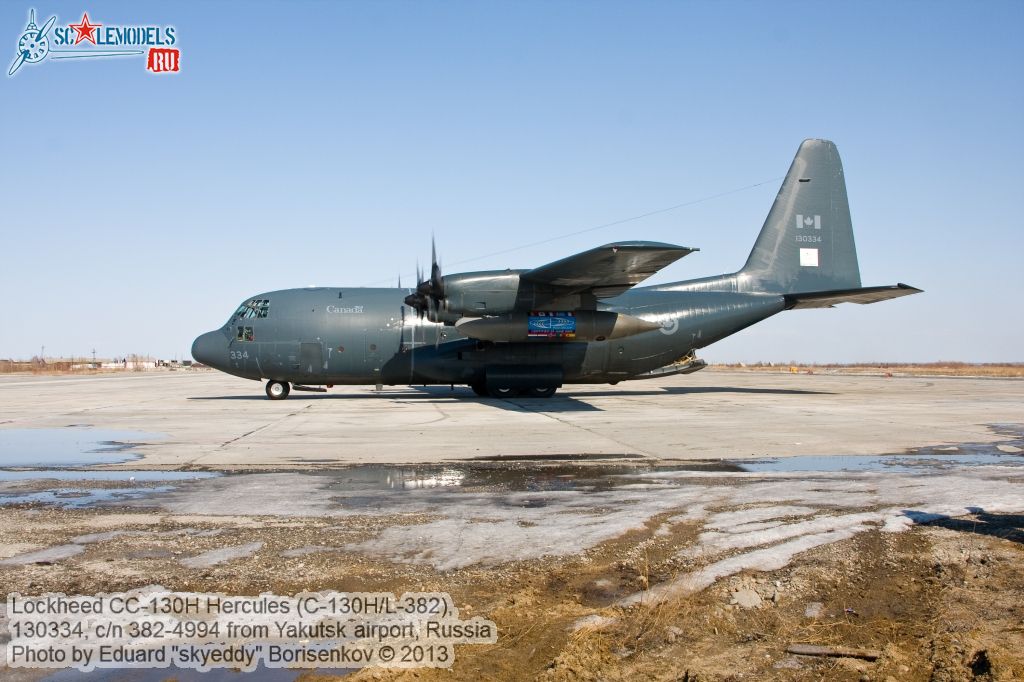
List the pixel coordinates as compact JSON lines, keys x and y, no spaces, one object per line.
{"x":745,"y":363}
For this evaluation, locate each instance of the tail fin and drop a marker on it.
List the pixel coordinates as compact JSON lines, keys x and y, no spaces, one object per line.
{"x":806,"y":243}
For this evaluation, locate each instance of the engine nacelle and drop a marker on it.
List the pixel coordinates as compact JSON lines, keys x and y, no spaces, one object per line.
{"x":474,"y":294}
{"x":580,"y":325}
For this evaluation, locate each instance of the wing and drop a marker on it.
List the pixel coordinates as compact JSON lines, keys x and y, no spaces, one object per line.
{"x":608,"y":270}
{"x":827,"y":299}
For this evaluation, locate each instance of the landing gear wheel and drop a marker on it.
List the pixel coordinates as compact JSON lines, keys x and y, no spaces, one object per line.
{"x":480,"y":389}
{"x":545,"y":392}
{"x":503,"y":392}
{"x":278,"y":390}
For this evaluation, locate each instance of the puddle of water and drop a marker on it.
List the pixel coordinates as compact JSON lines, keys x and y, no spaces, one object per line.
{"x":533,"y":484}
{"x":364,"y":484}
{"x":44,"y":450}
{"x":919,"y":460}
{"x":69,"y":446}
{"x":76,"y":498}
{"x":122,"y":475}
{"x":925,"y":460}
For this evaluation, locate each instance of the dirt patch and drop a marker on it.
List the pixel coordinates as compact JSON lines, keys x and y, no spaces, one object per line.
{"x":939,"y":603}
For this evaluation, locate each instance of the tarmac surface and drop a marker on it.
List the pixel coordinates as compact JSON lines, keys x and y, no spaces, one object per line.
{"x":208,"y":420}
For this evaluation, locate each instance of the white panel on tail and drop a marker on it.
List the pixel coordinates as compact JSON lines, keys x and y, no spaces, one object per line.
{"x":809,"y":258}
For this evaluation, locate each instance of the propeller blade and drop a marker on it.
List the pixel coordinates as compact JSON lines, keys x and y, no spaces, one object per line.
{"x":401,"y":332}
{"x":18,"y":62}
{"x":412,"y":355}
{"x":46,"y":27}
{"x":436,"y":280}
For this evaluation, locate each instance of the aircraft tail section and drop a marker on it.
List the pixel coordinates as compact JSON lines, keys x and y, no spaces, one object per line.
{"x":806,"y":243}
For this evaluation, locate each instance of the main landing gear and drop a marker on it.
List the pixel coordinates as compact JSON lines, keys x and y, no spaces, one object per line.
{"x":278,"y":390}
{"x":537,"y":392}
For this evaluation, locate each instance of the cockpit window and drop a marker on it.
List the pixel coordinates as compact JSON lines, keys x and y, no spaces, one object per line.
{"x":256,"y":308}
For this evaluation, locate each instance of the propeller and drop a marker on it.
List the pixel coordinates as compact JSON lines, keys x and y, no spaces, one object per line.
{"x":429,"y":293}
{"x":20,"y":59}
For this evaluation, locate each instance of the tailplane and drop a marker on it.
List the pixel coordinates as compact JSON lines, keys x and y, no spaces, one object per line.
{"x":806,"y":243}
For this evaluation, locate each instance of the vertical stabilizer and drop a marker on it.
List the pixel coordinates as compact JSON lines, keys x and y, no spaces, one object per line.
{"x":806,"y":243}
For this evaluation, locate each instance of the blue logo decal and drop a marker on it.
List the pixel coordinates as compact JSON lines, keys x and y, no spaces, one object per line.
{"x":36,"y":44}
{"x":558,"y":325}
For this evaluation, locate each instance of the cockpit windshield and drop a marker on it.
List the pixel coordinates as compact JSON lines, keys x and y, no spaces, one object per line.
{"x":255,"y":308}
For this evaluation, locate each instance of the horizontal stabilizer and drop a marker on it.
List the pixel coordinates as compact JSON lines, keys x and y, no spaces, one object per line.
{"x":608,"y":270}
{"x":827,"y":299}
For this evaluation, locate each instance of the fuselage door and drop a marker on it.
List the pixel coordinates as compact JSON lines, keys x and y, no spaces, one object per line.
{"x":311,"y":357}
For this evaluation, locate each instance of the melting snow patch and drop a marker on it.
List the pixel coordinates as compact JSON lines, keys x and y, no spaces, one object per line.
{"x":592,"y":622}
{"x":768,"y":559}
{"x":49,"y":554}
{"x":306,"y":550}
{"x":713,"y":542}
{"x":96,"y":537}
{"x":217,"y":556}
{"x":723,"y":520}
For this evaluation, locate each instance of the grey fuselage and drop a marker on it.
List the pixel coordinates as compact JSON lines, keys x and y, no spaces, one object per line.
{"x":328,"y":336}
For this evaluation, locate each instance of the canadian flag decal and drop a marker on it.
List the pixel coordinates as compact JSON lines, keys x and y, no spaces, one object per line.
{"x":803,"y":221}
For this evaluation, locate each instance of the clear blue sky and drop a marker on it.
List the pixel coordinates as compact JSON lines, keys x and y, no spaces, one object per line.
{"x":323,"y":143}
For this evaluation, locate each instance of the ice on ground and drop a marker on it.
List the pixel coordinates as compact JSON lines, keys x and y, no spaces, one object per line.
{"x":592,"y":622}
{"x":97,"y":537}
{"x":479,"y":530}
{"x":743,"y":519}
{"x":712,"y":542}
{"x":278,"y":494}
{"x":731,"y":519}
{"x":490,"y":529}
{"x":222,"y":554}
{"x":767,"y":559}
{"x":695,"y":512}
{"x":49,"y":554}
{"x":75,"y":547}
{"x":306,"y":550}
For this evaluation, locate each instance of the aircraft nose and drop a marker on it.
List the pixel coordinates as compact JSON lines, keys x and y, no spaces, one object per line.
{"x":210,"y":349}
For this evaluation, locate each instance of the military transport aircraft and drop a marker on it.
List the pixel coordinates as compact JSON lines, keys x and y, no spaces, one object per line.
{"x":577,"y":320}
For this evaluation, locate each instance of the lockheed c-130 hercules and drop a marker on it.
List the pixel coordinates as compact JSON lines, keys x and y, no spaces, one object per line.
{"x":577,"y":320}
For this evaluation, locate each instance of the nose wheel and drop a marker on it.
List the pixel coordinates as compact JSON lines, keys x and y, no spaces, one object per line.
{"x":278,"y":390}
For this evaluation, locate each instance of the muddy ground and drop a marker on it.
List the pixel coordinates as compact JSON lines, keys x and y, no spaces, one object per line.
{"x":941,"y":601}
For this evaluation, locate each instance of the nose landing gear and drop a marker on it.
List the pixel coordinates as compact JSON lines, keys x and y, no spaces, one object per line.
{"x":278,"y":390}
